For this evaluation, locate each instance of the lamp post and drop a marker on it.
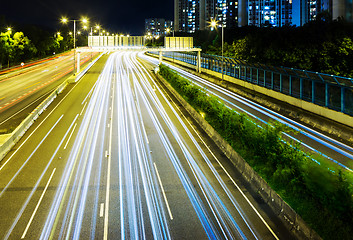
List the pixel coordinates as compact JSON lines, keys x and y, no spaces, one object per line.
{"x":65,"y":20}
{"x":214,"y":24}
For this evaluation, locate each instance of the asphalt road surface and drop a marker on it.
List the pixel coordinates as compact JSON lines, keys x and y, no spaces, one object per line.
{"x":114,"y":157}
{"x":24,"y":89}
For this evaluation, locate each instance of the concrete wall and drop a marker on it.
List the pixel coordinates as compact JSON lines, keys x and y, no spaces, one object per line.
{"x":290,"y":218}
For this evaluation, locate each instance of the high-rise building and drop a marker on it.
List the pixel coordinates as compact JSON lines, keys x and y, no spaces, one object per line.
{"x":232,"y":13}
{"x":192,"y":15}
{"x":270,"y":12}
{"x":342,"y":9}
{"x":187,"y":15}
{"x":158,"y":26}
{"x":223,"y":11}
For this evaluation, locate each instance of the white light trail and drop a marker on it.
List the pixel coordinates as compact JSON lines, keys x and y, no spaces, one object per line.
{"x":326,"y":141}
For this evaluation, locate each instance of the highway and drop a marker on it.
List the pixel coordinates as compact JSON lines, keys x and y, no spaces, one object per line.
{"x":312,"y":141}
{"x":115,"y":157}
{"x":22,"y":90}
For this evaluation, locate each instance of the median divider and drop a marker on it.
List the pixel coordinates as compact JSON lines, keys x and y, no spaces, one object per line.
{"x":289,"y":217}
{"x":7,"y":141}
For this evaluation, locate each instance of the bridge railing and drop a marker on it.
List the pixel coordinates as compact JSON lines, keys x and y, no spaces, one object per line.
{"x":326,"y":90}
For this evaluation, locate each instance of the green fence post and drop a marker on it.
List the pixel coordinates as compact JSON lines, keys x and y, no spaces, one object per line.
{"x":312,"y":91}
{"x":343,"y":106}
{"x":326,"y":95}
{"x":272,"y":82}
{"x":290,"y":85}
{"x":264,"y":78}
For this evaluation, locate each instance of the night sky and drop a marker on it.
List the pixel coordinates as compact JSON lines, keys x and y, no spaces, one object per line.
{"x":117,"y":16}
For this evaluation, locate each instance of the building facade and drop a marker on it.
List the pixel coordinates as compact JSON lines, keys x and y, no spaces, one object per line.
{"x":157,"y":26}
{"x":274,"y":13}
{"x":187,"y":15}
{"x":193,"y":15}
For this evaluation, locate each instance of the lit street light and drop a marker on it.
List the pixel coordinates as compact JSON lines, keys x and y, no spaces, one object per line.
{"x":168,"y":31}
{"x":215,"y":24}
{"x":65,"y":20}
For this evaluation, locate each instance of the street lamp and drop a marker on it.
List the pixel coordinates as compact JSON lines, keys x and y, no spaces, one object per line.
{"x":98,"y":28}
{"x":65,"y":20}
{"x":215,"y":24}
{"x":168,"y":31}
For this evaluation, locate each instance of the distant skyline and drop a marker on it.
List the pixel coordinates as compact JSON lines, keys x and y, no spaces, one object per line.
{"x":113,"y":15}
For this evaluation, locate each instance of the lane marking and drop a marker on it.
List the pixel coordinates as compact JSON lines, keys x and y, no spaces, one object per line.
{"x":32,"y":85}
{"x":105,"y":231}
{"x":39,"y":202}
{"x":68,"y":140}
{"x":101,"y":211}
{"x":38,"y":127}
{"x":164,"y":195}
{"x":83,"y":109}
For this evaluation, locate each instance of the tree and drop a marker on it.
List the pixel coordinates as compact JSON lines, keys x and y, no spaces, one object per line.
{"x":23,"y":49}
{"x":6,"y":49}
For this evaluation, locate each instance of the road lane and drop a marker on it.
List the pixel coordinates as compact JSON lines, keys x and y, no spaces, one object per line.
{"x":30,"y":173}
{"x":24,"y":89}
{"x":128,"y":164}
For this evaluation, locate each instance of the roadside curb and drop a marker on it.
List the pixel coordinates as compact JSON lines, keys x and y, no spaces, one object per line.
{"x":9,"y":140}
{"x":293,"y":222}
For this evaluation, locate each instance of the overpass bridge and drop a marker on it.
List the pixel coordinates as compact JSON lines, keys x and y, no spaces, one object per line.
{"x":119,"y":43}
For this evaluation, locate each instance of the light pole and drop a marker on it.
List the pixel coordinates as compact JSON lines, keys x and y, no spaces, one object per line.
{"x":65,"y":20}
{"x":214,"y":24}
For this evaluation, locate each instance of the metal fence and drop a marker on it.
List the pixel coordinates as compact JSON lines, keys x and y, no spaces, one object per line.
{"x":331,"y":91}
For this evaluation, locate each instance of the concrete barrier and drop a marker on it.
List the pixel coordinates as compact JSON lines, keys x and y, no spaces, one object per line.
{"x":289,"y":217}
{"x":9,"y":140}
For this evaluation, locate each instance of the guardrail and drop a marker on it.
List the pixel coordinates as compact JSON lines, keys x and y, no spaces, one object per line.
{"x":15,"y":136}
{"x":333,"y":92}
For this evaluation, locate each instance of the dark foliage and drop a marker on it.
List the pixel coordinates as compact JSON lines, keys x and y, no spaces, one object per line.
{"x":321,"y":46}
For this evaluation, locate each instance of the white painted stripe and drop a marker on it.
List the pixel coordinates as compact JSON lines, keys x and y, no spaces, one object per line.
{"x":101,"y":211}
{"x":68,"y":140}
{"x":106,"y":215}
{"x":164,"y":195}
{"x":83,"y":108}
{"x":40,"y":200}
{"x":37,"y":127}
